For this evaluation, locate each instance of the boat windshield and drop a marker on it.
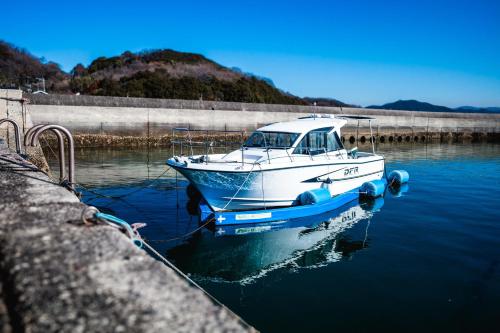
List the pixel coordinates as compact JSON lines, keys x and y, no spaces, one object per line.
{"x":277,"y":140}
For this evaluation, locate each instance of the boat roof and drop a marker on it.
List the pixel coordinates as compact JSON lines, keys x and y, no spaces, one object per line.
{"x":355,"y":117}
{"x":303,"y":125}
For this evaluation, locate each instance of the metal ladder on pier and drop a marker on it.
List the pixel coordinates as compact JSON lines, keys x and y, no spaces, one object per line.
{"x":31,"y":138}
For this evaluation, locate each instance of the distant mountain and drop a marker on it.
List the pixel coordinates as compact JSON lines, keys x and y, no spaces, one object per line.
{"x":154,"y":73}
{"x":478,"y":109}
{"x":414,"y":105}
{"x":468,"y":108}
{"x":411,"y":105}
{"x":323,"y":101}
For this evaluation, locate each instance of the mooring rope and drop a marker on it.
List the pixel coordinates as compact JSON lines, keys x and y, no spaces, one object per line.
{"x":366,"y":232}
{"x":262,"y":186}
{"x":72,"y":186}
{"x":241,"y":186}
{"x":187,"y":278}
{"x":185,"y":235}
{"x":50,"y":147}
{"x":121,"y":196}
{"x":91,"y":214}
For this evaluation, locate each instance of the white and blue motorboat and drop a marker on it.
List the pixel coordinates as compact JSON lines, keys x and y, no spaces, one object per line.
{"x":282,"y":165}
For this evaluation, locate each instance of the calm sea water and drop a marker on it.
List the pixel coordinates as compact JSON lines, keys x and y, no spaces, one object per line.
{"x":427,"y":259}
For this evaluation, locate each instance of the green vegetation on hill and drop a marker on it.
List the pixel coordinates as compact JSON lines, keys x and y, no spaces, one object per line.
{"x":19,"y":68}
{"x":155,"y":74}
{"x":172,"y":74}
{"x":161,"y":84}
{"x":323,"y":101}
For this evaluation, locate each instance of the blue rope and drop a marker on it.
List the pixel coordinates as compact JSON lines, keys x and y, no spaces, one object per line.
{"x":121,"y":223}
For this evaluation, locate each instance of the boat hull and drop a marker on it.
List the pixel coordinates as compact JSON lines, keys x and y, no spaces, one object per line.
{"x":278,"y":187}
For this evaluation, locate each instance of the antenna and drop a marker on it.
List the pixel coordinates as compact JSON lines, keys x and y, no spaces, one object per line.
{"x":40,"y":81}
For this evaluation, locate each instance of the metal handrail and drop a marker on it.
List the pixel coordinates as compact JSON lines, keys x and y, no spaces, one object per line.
{"x":297,"y":157}
{"x":288,"y":153}
{"x":29,"y":133}
{"x":60,"y":146}
{"x":17,"y":133}
{"x":207,"y":144}
{"x":184,"y":129}
{"x":326,"y":152}
{"x":265,"y":147}
{"x":71,"y":148}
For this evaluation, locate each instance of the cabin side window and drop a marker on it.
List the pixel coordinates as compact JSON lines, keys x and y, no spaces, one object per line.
{"x":333,"y":142}
{"x":275,"y":140}
{"x":318,"y":141}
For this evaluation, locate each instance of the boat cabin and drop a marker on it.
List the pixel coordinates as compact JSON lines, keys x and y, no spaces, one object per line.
{"x":306,"y":136}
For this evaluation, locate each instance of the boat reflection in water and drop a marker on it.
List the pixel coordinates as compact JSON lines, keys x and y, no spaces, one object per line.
{"x":245,"y":253}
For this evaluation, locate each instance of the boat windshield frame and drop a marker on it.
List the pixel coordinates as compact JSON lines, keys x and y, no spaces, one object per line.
{"x":293,"y":137}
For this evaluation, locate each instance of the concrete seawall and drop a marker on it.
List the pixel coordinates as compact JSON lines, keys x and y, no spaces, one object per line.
{"x":13,"y":106}
{"x":154,"y":118}
{"x":59,"y":275}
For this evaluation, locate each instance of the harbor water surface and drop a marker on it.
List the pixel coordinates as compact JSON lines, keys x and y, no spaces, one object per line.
{"x":424,"y":258}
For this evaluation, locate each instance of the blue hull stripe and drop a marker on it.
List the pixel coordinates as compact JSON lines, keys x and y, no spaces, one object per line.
{"x":275,"y":214}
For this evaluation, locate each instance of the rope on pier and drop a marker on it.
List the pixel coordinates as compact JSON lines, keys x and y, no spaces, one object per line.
{"x":91,"y":215}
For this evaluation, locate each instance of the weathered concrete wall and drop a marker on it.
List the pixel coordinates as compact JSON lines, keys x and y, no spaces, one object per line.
{"x":60,"y":275}
{"x":13,"y":106}
{"x":140,"y":116}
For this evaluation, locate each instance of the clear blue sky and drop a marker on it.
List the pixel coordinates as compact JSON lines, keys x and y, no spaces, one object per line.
{"x":362,"y":52}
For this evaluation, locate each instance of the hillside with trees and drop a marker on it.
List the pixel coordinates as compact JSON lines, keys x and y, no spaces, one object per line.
{"x":172,"y":74}
{"x":154,"y":74}
{"x":323,"y":101}
{"x":167,"y":74}
{"x":20,"y":69}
